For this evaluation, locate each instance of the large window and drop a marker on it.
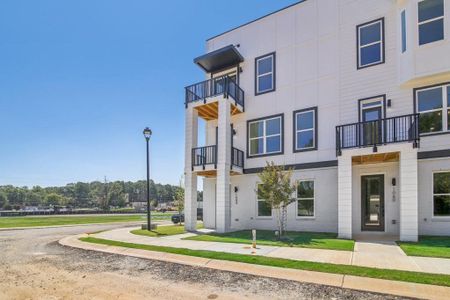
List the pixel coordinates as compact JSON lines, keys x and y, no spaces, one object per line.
{"x":305,"y":198}
{"x":433,"y":104}
{"x":265,"y":74}
{"x":370,"y":41}
{"x":264,"y":209}
{"x":403,"y":24}
{"x":305,"y":129}
{"x":265,"y":136}
{"x":441,"y":194}
{"x":430,"y":21}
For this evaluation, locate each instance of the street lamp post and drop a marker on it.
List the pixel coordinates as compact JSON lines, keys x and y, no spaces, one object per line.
{"x":147,"y":134}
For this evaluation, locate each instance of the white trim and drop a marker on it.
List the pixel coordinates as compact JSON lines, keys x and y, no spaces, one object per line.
{"x":370,"y":100}
{"x":360,"y":65}
{"x":313,"y":198}
{"x":428,"y":21}
{"x":433,"y":194}
{"x":313,"y":128}
{"x":263,"y":137}
{"x":264,"y":74}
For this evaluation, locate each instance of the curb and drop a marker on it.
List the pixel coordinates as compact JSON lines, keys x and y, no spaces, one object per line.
{"x":72,"y":225}
{"x":405,"y":289}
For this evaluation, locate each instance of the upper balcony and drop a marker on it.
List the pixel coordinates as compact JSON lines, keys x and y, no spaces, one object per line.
{"x":205,"y":95}
{"x":204,"y":161}
{"x":379,"y":132}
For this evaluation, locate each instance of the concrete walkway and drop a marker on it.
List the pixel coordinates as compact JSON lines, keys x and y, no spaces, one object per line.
{"x":385,"y":254}
{"x":406,"y":289}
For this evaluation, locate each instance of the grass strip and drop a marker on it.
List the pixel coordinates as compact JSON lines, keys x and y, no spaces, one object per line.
{"x":428,"y":246}
{"x":407,"y":276}
{"x":317,"y":240}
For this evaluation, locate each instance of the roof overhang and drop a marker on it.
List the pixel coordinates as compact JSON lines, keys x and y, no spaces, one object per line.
{"x":219,"y":59}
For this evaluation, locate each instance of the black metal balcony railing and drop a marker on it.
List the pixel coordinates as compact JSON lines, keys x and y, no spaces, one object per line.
{"x":384,"y":131}
{"x":202,"y":156}
{"x":207,"y":155}
{"x":214,"y":87}
{"x":237,"y":158}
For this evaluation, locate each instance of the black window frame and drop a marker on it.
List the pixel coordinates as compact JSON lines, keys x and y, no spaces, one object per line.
{"x":419,"y":23}
{"x":403,"y":31}
{"x":415,"y":103}
{"x":433,"y":194}
{"x":383,"y":44}
{"x":281,"y":116}
{"x":314,"y":109}
{"x":273,"y":54}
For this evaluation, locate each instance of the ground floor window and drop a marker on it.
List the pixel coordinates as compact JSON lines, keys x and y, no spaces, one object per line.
{"x":264,"y":209}
{"x":305,"y":198}
{"x":441,"y":194}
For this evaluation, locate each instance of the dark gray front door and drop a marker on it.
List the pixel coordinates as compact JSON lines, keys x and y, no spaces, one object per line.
{"x":372,"y":203}
{"x":372,"y":125}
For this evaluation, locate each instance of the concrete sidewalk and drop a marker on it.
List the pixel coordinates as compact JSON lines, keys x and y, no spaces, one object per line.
{"x":385,"y":254}
{"x":404,"y":289}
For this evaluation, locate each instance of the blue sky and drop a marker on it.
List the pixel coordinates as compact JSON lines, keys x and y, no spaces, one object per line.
{"x":79,"y":80}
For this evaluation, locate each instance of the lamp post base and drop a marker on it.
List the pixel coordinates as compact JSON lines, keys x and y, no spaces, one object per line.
{"x":153,"y":227}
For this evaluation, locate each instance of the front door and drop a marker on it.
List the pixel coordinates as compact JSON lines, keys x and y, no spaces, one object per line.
{"x":372,"y":203}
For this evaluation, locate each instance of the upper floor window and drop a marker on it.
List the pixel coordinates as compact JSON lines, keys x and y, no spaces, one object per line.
{"x":441,"y":194}
{"x":265,"y":136}
{"x":305,"y":129}
{"x":305,"y":198}
{"x":370,"y":43}
{"x":433,"y":104}
{"x":265,"y":74}
{"x":403,"y":25}
{"x":263,"y":208}
{"x":430,"y":21}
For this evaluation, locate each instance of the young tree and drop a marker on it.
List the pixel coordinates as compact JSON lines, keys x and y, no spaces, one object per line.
{"x":178,"y":200}
{"x":277,"y":190}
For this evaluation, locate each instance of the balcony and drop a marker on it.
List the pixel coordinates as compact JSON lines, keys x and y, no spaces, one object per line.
{"x":380,"y":132}
{"x":205,"y":95}
{"x":204,"y":161}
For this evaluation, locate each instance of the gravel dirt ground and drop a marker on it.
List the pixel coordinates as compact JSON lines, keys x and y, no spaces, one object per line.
{"x":34,"y":266}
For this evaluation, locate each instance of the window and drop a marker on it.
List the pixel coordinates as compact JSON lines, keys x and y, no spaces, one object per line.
{"x":430,"y":21}
{"x":305,"y":198}
{"x":265,"y":74}
{"x":433,"y":104}
{"x":264,"y":209}
{"x":265,"y":136}
{"x":441,"y":194}
{"x":403,"y":21}
{"x":305,"y":129}
{"x":370,"y":43}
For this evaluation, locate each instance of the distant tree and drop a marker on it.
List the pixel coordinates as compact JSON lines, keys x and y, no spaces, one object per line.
{"x":277,"y":190}
{"x":54,"y":199}
{"x":3,"y":200}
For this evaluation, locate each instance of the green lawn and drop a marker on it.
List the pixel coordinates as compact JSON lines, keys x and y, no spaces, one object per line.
{"x":417,"y":277}
{"x":30,"y":221}
{"x":431,"y":246}
{"x":163,"y":230}
{"x":266,"y":237}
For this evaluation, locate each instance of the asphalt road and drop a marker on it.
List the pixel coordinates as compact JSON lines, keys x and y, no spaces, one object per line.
{"x":34,"y":266}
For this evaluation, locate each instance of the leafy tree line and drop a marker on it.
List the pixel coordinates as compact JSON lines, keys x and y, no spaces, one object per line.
{"x":95,"y":194}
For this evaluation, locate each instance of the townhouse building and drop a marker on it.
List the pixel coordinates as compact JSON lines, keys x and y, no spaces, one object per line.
{"x":353,"y":95}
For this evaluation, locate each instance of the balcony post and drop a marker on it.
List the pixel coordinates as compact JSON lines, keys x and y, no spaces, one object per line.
{"x":190,"y":180}
{"x":345,"y":196}
{"x":409,"y":218}
{"x":223,"y":205}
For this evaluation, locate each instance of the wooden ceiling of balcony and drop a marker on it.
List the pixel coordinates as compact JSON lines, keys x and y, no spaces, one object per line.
{"x":213,"y":173}
{"x":375,"y":158}
{"x":210,"y":111}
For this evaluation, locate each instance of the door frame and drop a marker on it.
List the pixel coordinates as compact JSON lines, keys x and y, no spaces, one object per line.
{"x":382,"y":226}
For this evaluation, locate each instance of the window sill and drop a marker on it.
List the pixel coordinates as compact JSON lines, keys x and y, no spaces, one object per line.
{"x":440,"y":219}
{"x":264,"y":218}
{"x":305,"y":218}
